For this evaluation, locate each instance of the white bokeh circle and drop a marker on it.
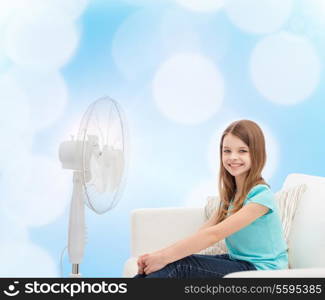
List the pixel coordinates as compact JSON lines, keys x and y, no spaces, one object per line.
{"x":15,"y":114}
{"x":15,"y":123}
{"x":12,"y":229}
{"x":271,"y":144}
{"x":188,"y":88}
{"x":198,"y":196}
{"x":181,"y":32}
{"x":18,"y":259}
{"x":72,"y":9}
{"x":47,"y":94}
{"x":41,"y":42}
{"x":143,"y":2}
{"x":7,"y":9}
{"x":136,"y":45}
{"x":16,"y":148}
{"x":285,"y":68}
{"x":4,"y":60}
{"x":44,"y":190}
{"x":259,"y":16}
{"x":201,"y":5}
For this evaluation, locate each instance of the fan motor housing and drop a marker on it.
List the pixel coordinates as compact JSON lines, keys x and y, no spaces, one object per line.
{"x":70,"y":154}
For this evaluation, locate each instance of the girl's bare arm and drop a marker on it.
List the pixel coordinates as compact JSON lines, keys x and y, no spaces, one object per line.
{"x":208,"y":235}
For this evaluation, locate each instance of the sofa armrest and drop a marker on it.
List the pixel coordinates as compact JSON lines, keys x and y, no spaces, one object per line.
{"x":155,"y":228}
{"x":130,"y":268}
{"x":293,"y":273}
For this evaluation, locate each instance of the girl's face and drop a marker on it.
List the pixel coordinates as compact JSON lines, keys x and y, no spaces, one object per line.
{"x":235,"y":155}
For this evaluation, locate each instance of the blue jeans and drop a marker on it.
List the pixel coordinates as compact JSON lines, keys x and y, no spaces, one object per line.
{"x":201,"y":266}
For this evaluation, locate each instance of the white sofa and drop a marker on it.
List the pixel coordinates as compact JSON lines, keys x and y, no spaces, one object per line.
{"x":155,"y":228}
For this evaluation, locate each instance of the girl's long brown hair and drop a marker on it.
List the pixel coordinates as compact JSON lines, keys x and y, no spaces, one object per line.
{"x":251,"y":134}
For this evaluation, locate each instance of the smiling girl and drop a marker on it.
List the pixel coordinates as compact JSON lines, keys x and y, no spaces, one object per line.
{"x":247,"y":218}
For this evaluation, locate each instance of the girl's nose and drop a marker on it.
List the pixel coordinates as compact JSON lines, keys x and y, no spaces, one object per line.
{"x":233,"y":156}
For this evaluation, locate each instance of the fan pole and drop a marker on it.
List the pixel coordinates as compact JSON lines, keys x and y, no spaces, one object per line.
{"x":76,"y":234}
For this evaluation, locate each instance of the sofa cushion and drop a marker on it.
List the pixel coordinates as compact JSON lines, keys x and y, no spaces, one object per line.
{"x":288,"y":200}
{"x":219,"y":247}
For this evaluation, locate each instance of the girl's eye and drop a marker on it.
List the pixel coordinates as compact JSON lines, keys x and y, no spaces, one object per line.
{"x":239,"y":150}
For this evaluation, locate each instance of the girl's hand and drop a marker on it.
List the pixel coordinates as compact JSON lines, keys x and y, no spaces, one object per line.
{"x":153,"y":262}
{"x":141,"y":264}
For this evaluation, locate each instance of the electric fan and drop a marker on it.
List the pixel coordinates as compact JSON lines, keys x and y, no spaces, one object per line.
{"x":98,"y":160}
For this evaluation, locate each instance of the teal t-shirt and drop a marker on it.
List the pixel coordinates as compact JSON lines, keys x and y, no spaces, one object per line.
{"x":261,"y":242}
